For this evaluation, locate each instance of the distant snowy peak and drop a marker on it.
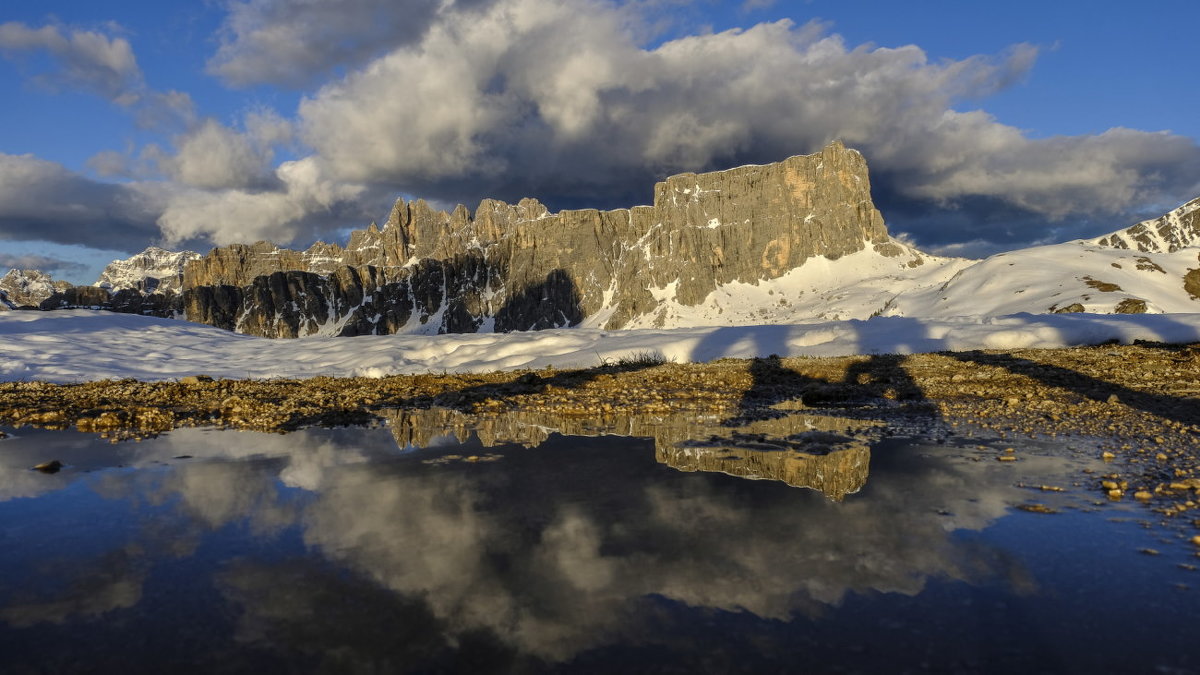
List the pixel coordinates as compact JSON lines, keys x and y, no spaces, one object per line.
{"x":1166,"y":234}
{"x":152,"y":270}
{"x":27,"y":288}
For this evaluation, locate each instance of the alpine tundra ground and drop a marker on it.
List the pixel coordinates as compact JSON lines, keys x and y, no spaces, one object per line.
{"x":1136,"y":406}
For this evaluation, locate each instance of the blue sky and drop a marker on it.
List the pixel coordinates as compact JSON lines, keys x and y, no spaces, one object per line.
{"x":987,"y":125}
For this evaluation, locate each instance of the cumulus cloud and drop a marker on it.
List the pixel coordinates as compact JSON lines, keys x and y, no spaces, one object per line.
{"x":559,"y":100}
{"x":212,"y":155}
{"x":102,"y":64}
{"x":42,"y":200}
{"x":87,"y":59}
{"x":30,"y":261}
{"x":303,"y":207}
{"x":290,"y":42}
{"x":579,"y":103}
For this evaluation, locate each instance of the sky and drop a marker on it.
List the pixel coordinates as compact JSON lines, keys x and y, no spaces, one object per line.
{"x":987,"y":126}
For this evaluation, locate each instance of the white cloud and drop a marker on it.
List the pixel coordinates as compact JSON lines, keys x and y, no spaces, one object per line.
{"x":563,"y":100}
{"x":211,"y":155}
{"x":33,"y":261}
{"x":42,"y":200}
{"x":305,"y":206}
{"x":102,"y":64}
{"x":289,"y":42}
{"x":89,"y":59}
{"x":560,"y":101}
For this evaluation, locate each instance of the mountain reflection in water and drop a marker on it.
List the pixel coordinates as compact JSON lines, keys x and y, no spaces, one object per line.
{"x":826,"y":453}
{"x":349,"y":549}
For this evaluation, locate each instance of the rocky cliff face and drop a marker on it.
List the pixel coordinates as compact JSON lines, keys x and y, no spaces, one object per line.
{"x":519,"y":267}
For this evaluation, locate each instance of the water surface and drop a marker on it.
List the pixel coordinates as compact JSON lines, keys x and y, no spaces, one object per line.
{"x":438,"y":542}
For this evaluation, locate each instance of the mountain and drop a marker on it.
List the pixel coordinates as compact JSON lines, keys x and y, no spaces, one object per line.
{"x":154,"y":270}
{"x":794,"y":241}
{"x":1152,"y":267}
{"x":27,"y":288}
{"x":1078,"y":276}
{"x":712,"y":247}
{"x":1169,"y":233}
{"x":146,"y":283}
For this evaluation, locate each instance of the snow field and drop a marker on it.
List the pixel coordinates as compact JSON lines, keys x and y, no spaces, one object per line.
{"x":85,"y":345}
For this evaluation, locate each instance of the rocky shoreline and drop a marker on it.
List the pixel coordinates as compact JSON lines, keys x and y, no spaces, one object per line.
{"x":1137,"y":405}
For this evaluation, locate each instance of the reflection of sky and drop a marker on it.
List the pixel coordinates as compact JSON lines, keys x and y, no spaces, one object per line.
{"x":550,"y":550}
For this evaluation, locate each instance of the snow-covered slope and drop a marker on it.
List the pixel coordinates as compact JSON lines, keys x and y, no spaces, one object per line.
{"x":1152,"y":267}
{"x":80,"y":345}
{"x":856,"y":286}
{"x":1076,"y":276}
{"x":152,"y":270}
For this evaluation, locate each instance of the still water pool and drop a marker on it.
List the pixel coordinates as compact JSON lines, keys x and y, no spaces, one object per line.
{"x":439,"y":543}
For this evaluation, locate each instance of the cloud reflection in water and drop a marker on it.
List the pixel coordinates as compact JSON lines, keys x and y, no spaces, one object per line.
{"x":563,"y":545}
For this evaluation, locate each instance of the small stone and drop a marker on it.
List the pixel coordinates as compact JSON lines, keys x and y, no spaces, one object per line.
{"x":1113,"y":399}
{"x":53,"y":466}
{"x":1143,"y":496}
{"x":1196,"y":540}
{"x":194,"y":379}
{"x":1161,"y":457}
{"x":1149,"y":551}
{"x":1006,"y":458}
{"x":1107,"y":456}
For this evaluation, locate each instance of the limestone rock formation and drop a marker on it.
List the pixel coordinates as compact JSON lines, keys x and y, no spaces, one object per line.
{"x":520,"y":267}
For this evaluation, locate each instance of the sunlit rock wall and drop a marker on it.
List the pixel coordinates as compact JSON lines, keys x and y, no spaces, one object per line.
{"x":519,"y":267}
